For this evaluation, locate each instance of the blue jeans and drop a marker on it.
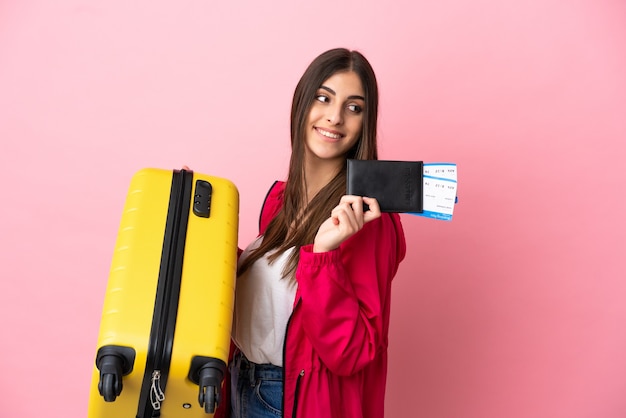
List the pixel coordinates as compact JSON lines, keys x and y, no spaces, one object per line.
{"x":256,"y":389}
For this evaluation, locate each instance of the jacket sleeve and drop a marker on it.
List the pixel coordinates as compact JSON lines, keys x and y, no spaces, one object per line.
{"x":343,"y":294}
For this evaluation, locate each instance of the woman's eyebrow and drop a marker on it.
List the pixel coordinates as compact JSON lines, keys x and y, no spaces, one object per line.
{"x":331,"y":91}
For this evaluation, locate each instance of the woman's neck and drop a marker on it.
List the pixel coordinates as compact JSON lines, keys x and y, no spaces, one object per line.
{"x":318,"y":174}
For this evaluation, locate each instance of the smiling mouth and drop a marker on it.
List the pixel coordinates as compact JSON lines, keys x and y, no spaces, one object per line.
{"x":328,"y":134}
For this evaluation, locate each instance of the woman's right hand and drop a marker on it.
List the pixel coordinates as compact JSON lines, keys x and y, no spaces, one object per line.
{"x":347,"y":218}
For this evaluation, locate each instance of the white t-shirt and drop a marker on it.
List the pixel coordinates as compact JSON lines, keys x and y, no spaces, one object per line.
{"x":263,"y":305}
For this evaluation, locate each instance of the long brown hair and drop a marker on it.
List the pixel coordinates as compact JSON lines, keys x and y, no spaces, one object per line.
{"x":280,"y":235}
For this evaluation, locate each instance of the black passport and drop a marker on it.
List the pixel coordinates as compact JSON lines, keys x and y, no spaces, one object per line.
{"x":397,"y":185}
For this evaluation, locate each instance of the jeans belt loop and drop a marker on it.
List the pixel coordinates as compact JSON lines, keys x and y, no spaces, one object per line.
{"x":238,"y":359}
{"x":251,"y":373}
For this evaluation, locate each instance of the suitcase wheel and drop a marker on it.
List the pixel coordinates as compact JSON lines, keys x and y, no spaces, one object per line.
{"x":109,"y":387}
{"x":207,"y":373}
{"x":208,"y":398}
{"x":113,"y":363}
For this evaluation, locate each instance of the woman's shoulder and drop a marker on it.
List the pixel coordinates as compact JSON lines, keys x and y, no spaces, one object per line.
{"x":387,"y":220}
{"x":271,"y":204}
{"x":274,"y":193}
{"x":386,"y":230}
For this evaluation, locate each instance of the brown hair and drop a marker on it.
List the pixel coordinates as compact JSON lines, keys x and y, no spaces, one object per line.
{"x":295,"y":211}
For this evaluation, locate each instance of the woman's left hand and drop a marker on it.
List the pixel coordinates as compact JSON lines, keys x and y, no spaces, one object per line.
{"x":347,"y":218}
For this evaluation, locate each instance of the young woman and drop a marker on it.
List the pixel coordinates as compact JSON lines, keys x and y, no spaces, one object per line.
{"x":313,"y":290}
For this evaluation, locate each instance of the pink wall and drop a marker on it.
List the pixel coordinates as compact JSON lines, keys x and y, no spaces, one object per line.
{"x":515,"y":309}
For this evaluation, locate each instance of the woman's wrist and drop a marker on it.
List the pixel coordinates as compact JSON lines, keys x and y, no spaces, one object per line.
{"x":320,"y":249}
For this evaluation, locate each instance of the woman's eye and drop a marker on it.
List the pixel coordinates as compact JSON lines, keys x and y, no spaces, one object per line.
{"x":322,"y":98}
{"x":355,"y":108}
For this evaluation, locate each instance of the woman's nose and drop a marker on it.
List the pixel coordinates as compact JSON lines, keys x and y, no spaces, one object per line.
{"x":334,"y":115}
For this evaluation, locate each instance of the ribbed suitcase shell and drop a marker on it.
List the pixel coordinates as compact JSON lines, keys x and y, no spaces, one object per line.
{"x":205,"y":307}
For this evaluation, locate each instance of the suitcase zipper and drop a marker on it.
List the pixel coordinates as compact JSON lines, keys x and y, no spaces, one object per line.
{"x":167,"y":295}
{"x":156,"y":393}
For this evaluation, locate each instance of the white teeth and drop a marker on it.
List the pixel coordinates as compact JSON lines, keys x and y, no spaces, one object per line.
{"x":328,"y":134}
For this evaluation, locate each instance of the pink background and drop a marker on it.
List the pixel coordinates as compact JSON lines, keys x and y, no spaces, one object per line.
{"x":516,"y":308}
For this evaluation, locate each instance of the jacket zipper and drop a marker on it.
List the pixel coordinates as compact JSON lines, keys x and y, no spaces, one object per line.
{"x":295,"y":400}
{"x":295,"y":396}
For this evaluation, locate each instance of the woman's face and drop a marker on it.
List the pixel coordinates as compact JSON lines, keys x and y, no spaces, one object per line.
{"x":335,"y":120}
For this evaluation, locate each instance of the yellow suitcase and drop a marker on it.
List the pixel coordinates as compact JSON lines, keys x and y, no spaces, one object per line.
{"x":165,"y":329}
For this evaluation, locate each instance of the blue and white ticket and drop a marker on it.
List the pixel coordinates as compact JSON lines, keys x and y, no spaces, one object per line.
{"x":440,"y":187}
